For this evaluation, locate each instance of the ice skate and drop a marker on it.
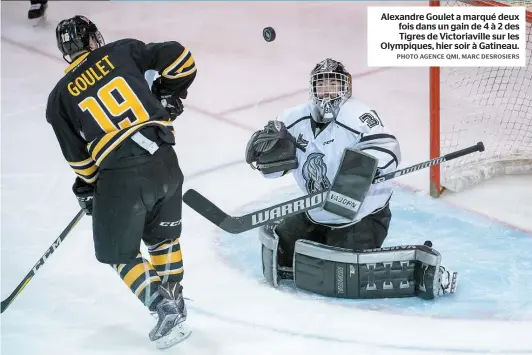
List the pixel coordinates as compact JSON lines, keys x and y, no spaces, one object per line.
{"x":448,"y":281}
{"x":37,"y":10}
{"x":37,"y":13}
{"x":171,"y":314}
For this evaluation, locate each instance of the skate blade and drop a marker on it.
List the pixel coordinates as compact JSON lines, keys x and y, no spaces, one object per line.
{"x":179,"y":333}
{"x":38,"y":22}
{"x":454,"y":282}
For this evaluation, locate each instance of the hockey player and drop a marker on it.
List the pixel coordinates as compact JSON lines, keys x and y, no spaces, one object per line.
{"x":309,"y":140}
{"x":117,"y":135}
{"x":337,"y":144}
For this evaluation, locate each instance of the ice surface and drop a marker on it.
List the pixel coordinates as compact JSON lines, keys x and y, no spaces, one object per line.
{"x":77,"y":306}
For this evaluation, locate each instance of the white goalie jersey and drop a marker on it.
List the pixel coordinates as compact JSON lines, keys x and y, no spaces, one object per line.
{"x":356,"y":126}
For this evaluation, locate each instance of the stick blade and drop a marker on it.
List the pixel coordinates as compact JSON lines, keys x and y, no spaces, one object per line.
{"x":204,"y":207}
{"x":4,"y":305}
{"x":211,"y":212}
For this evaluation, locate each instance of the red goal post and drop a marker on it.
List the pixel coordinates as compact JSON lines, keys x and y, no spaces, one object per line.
{"x":493,"y":105}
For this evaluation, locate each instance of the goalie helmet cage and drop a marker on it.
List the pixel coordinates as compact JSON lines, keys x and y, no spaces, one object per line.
{"x":489,"y":104}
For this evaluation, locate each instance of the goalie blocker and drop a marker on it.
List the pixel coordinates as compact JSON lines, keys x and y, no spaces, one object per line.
{"x":351,"y":183}
{"x":391,"y":272}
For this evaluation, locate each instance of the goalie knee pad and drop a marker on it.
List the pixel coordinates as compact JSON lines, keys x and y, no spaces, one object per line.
{"x":402,"y":271}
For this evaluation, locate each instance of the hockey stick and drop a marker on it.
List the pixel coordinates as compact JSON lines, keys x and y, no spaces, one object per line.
{"x":236,"y":225}
{"x":42,"y":260}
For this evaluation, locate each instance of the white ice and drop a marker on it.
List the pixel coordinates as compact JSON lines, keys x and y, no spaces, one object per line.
{"x":74,"y":305}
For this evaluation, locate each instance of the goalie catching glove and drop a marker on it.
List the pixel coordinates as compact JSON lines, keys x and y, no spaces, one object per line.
{"x":272,"y":149}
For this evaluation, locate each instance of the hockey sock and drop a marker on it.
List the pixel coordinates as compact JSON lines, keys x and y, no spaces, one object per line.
{"x":167,"y":260}
{"x":142,"y":279}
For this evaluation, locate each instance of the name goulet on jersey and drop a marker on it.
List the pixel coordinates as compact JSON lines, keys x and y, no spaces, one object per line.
{"x":90,"y":76}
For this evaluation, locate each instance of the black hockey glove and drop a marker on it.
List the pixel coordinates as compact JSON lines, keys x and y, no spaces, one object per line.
{"x":169,"y":99}
{"x":85,"y":194}
{"x":273,"y":149}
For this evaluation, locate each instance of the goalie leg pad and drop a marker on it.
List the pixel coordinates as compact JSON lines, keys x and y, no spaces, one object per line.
{"x":351,"y":183}
{"x":278,"y":242}
{"x":392,"y":272}
{"x":269,"y":247}
{"x":325,"y":270}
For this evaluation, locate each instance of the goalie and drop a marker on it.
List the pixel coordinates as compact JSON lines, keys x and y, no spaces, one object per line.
{"x":335,"y":143}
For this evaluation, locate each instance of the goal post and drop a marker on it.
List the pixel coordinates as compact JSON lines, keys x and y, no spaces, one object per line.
{"x":488,"y":104}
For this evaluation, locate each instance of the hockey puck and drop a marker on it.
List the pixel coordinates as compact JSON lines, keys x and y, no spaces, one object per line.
{"x":269,"y":34}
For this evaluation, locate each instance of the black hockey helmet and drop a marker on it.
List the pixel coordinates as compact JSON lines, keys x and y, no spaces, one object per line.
{"x":74,"y":35}
{"x":330,"y":88}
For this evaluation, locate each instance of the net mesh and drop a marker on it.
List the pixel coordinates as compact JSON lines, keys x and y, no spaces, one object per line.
{"x":527,"y":4}
{"x":489,"y":104}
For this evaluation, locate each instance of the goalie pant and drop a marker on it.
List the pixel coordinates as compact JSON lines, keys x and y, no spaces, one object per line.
{"x":370,"y":232}
{"x":391,"y":272}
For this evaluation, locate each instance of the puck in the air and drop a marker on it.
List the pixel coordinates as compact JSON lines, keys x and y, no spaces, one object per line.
{"x":269,"y":34}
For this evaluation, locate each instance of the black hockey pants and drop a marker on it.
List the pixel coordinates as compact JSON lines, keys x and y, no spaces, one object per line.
{"x":370,"y":232}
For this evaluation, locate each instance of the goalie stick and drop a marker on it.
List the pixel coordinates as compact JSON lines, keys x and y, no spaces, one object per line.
{"x":235,"y":225}
{"x":42,"y":260}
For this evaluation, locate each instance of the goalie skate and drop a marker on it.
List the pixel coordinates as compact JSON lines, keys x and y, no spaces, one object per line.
{"x":448,"y":281}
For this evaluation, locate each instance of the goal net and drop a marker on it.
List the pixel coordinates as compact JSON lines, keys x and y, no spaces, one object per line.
{"x":488,"y":104}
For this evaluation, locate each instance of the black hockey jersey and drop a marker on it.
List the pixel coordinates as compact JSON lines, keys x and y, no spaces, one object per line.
{"x":104,"y":98}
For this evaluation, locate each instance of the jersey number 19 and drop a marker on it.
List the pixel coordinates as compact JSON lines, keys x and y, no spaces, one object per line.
{"x":106,"y":98}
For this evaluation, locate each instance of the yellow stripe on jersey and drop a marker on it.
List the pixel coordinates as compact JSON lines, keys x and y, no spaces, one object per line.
{"x":85,"y":169}
{"x":80,"y":164}
{"x":101,"y":144}
{"x":185,"y":70}
{"x":184,"y":65}
{"x":76,"y":62}
{"x":99,"y":149}
{"x":170,"y":126}
{"x":89,"y":179}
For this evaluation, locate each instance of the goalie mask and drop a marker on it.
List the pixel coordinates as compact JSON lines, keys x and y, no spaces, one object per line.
{"x":330,"y":87}
{"x":76,"y":35}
